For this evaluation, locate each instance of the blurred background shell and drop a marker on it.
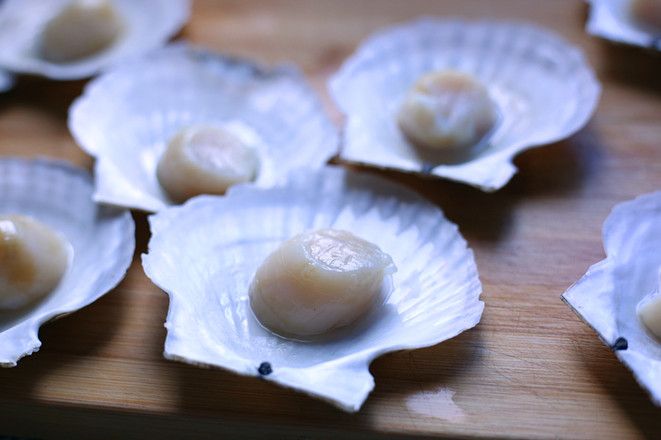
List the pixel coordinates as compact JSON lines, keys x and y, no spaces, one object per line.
{"x":542,"y":85}
{"x":148,"y":24}
{"x":614,"y":20}
{"x":126,"y":117}
{"x":205,"y":252}
{"x":60,"y":196}
{"x":607,"y":296}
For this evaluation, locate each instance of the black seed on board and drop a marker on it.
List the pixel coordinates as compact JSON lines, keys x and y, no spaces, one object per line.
{"x":620,"y":344}
{"x":265,"y":369}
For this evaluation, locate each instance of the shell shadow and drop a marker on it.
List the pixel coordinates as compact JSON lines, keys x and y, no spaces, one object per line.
{"x":248,"y":400}
{"x":223,"y":394}
{"x":620,"y":58}
{"x":50,"y":97}
{"x":557,"y":169}
{"x":618,"y":382}
{"x":480,"y":215}
{"x":426,"y":368}
{"x":83,"y":333}
{"x":552,"y":170}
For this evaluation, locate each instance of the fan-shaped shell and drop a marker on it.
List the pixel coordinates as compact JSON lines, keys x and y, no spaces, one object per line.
{"x":205,"y":252}
{"x":60,"y":196}
{"x":607,"y":296}
{"x":148,"y":24}
{"x":612,"y":19}
{"x":126,"y":118}
{"x":543,"y":87}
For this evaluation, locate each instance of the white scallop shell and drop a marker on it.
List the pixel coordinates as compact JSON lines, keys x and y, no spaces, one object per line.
{"x":148,"y":25}
{"x":543,"y":86}
{"x":611,"y":19}
{"x":125,"y":119}
{"x":607,"y":296}
{"x":102,"y":238}
{"x":204,"y":253}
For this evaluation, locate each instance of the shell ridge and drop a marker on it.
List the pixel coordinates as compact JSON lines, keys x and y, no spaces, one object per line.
{"x":215,"y":293}
{"x":529,"y":51}
{"x":241,"y":91}
{"x":59,"y":194}
{"x":20,"y":57}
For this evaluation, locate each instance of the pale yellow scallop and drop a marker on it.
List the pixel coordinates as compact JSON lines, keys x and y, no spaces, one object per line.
{"x":649,"y":313}
{"x":83,"y":28}
{"x":446,"y":110}
{"x":318,"y":281}
{"x":205,"y":160}
{"x":33,"y":259}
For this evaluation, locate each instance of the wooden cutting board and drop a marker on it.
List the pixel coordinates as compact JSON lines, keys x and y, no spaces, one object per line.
{"x":531,"y":369}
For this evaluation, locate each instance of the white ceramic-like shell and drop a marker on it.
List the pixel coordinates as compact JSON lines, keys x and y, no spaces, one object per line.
{"x":126,"y":118}
{"x":148,"y":24}
{"x":60,"y":196}
{"x":607,"y":296}
{"x":204,"y":253}
{"x":611,"y":19}
{"x":543,"y":86}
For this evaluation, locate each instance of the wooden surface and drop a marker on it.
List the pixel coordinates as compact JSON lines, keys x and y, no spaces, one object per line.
{"x":531,"y":369}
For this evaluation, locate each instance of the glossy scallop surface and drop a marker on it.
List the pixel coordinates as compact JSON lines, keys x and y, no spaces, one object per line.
{"x":205,"y":253}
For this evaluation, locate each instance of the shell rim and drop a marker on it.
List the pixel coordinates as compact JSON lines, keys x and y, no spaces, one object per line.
{"x":159,"y":222}
{"x":504,"y":157}
{"x":604,"y":268}
{"x":94,"y":91}
{"x":89,"y":67}
{"x":595,"y":27}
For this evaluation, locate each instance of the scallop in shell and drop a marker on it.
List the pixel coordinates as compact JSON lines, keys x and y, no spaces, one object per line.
{"x":101,"y":244}
{"x":126,"y":118}
{"x":205,"y":252}
{"x":543,"y":89}
{"x":140,"y":27}
{"x":607,"y":297}
{"x":617,"y":20}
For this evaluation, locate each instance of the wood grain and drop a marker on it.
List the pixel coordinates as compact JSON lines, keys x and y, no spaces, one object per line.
{"x":531,"y":369}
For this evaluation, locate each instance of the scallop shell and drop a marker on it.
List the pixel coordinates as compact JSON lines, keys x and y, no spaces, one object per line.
{"x":611,"y":19}
{"x":607,"y":296}
{"x":206,"y":273}
{"x":126,"y":118}
{"x":148,"y":25}
{"x":60,"y":196}
{"x":543,"y":86}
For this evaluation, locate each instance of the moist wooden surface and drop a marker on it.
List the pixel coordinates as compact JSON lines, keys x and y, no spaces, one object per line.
{"x":530,"y":370}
